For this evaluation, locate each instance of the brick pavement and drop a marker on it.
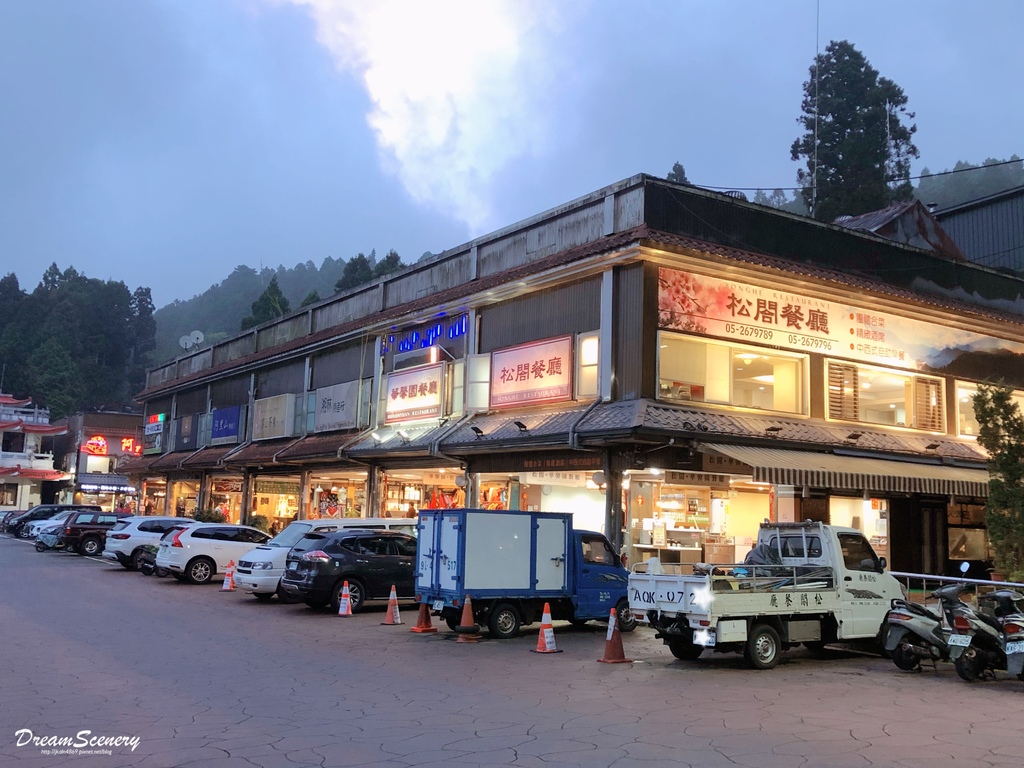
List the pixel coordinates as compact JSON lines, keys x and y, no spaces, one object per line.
{"x":217,"y":680}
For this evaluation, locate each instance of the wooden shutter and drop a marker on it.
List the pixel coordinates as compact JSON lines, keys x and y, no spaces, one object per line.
{"x":843,"y":393}
{"x":928,"y":405}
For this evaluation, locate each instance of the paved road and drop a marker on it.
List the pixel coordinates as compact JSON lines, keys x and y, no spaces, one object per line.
{"x":218,"y":680}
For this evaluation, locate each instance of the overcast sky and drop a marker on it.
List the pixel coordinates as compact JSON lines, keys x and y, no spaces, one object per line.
{"x":164,"y":142}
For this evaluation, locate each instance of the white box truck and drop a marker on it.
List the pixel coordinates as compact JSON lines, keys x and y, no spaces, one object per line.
{"x":823,"y":584}
{"x":510,"y":563}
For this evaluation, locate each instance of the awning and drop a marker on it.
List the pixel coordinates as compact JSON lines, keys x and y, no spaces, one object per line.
{"x":850,"y":473}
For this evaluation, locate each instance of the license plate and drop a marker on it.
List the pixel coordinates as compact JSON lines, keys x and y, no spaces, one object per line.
{"x":960,"y":640}
{"x":439,"y":605}
{"x":704,"y":637}
{"x":1015,"y":647}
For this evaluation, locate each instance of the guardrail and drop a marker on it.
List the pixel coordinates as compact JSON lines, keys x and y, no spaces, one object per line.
{"x":919,"y":582}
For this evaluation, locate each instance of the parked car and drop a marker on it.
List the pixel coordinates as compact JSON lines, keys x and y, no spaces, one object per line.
{"x":200,"y":551}
{"x":7,"y":516}
{"x":47,"y":524}
{"x":124,"y":542}
{"x":370,"y":561}
{"x":16,"y":525}
{"x":84,"y":531}
{"x":260,"y":570}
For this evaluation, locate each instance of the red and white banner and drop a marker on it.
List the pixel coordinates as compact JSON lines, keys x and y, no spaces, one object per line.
{"x":415,"y":393}
{"x":529,"y":374}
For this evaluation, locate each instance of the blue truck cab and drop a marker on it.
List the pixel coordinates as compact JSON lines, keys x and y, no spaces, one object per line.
{"x":510,"y":563}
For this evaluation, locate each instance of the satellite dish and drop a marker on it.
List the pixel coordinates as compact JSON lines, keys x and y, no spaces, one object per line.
{"x":196,"y":337}
{"x":185,"y":342}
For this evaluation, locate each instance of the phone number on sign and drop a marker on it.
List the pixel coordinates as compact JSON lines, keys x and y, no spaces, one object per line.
{"x":809,"y":341}
{"x":749,"y":331}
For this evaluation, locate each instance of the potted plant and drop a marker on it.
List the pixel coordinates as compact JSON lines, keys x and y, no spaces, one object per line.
{"x":1001,"y":433}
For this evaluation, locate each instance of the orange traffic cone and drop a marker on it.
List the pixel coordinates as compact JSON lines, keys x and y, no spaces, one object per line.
{"x":423,"y":621}
{"x":229,"y":578}
{"x":546,"y":638}
{"x":345,"y":602}
{"x":613,"y":653}
{"x":468,"y":631}
{"x":392,"y":616}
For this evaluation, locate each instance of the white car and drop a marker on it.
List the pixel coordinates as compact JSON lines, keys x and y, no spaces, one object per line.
{"x":125,"y":540}
{"x":260,"y":570}
{"x":47,"y":525}
{"x":200,"y":551}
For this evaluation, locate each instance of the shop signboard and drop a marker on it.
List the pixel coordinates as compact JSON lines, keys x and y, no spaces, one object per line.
{"x":530,"y":374}
{"x":153,"y":433}
{"x":499,"y":461}
{"x":227,"y":486}
{"x":571,"y":479}
{"x":415,"y":393}
{"x":337,"y":407}
{"x":95,"y":446}
{"x":273,"y":417}
{"x":225,"y":425}
{"x":185,"y":433}
{"x":754,"y":314}
{"x":280,"y":487}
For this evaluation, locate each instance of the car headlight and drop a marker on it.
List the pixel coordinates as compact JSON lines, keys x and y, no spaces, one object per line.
{"x":262,"y":566}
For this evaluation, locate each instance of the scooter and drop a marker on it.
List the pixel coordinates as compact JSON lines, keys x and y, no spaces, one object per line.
{"x":147,"y":562}
{"x":991,"y":638}
{"x":915,"y":632}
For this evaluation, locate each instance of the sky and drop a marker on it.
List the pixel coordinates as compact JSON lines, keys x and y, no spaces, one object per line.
{"x":162,"y":143}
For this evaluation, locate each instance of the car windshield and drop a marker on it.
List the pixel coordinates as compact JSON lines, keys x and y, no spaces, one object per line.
{"x":290,"y":536}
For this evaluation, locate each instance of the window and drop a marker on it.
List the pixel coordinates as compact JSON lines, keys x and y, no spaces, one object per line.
{"x":106,"y":519}
{"x":8,"y":494}
{"x":85,"y":518}
{"x":695,"y":370}
{"x":967,"y":422}
{"x":857,"y":553}
{"x":204,"y":533}
{"x":588,"y":358}
{"x":375,"y":545}
{"x":596,"y":551}
{"x":793,"y":546}
{"x":882,"y":396}
{"x":406,"y":546}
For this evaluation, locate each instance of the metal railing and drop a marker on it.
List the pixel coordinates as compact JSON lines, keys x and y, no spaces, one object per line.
{"x":920,"y":585}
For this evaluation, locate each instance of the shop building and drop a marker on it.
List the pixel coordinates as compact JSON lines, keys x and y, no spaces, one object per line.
{"x":671,"y":365}
{"x":28,"y":475}
{"x":91,"y":452}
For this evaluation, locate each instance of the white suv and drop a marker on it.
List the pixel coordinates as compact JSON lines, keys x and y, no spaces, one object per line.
{"x":260,"y":570}
{"x":125,"y":540}
{"x":200,"y":551}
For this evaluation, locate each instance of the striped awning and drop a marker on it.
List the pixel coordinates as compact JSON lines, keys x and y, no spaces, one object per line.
{"x":850,"y":473}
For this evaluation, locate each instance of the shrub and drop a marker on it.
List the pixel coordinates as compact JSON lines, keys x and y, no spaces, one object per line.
{"x":209,"y":516}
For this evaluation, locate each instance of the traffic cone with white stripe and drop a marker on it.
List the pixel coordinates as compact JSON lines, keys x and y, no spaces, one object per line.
{"x":546,"y":638}
{"x":345,"y":602}
{"x":613,"y":653}
{"x":392,"y":616}
{"x":229,"y":578}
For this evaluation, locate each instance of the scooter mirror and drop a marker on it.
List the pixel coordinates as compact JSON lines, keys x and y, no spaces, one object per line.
{"x":964,"y":567}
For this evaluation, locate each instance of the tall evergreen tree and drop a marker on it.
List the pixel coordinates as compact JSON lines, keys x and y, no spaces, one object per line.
{"x":677,"y":174}
{"x":390,"y":263}
{"x":358,"y":270}
{"x":863,"y":146}
{"x":271,"y":303}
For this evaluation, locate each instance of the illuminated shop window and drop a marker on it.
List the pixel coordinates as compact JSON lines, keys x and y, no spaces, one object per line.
{"x":967,"y":422}
{"x":478,"y":375}
{"x":880,"y":396}
{"x":588,"y":357}
{"x":695,"y":370}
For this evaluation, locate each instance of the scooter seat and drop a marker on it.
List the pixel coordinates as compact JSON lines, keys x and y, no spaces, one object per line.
{"x":920,"y":610}
{"x":992,"y":621}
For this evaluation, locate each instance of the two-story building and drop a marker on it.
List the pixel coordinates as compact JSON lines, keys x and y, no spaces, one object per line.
{"x":671,"y":365}
{"x":27,"y":473}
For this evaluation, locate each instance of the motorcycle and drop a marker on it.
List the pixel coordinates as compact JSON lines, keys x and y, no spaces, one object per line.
{"x":147,"y":562}
{"x":991,"y":638}
{"x":915,"y":633}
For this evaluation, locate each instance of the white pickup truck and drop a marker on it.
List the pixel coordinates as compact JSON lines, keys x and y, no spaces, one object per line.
{"x":828,"y":585}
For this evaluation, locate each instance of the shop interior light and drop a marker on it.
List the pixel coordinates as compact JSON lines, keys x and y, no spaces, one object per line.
{"x":522,"y":427}
{"x":477,"y":431}
{"x":319,"y":489}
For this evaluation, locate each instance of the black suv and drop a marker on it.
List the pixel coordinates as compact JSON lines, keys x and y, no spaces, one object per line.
{"x":86,"y":531}
{"x":371,"y":561}
{"x":16,"y":525}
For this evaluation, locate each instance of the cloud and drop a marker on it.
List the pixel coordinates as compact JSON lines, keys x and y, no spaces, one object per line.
{"x":457,"y":88}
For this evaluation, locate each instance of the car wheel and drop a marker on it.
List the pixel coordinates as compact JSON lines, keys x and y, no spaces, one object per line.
{"x":90,"y":546}
{"x":23,"y":533}
{"x":200,"y":570}
{"x":685,"y":650}
{"x":763,"y":647}
{"x":904,"y":658}
{"x":286,"y":597}
{"x":624,"y":617}
{"x":504,"y":622}
{"x":356,"y":595}
{"x":132,"y":564}
{"x":263,"y":597}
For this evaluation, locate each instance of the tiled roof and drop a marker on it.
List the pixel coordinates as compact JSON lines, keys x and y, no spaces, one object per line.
{"x":259,"y":452}
{"x":319,"y":446}
{"x":170,"y":460}
{"x":542,"y":427}
{"x":208,"y":457}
